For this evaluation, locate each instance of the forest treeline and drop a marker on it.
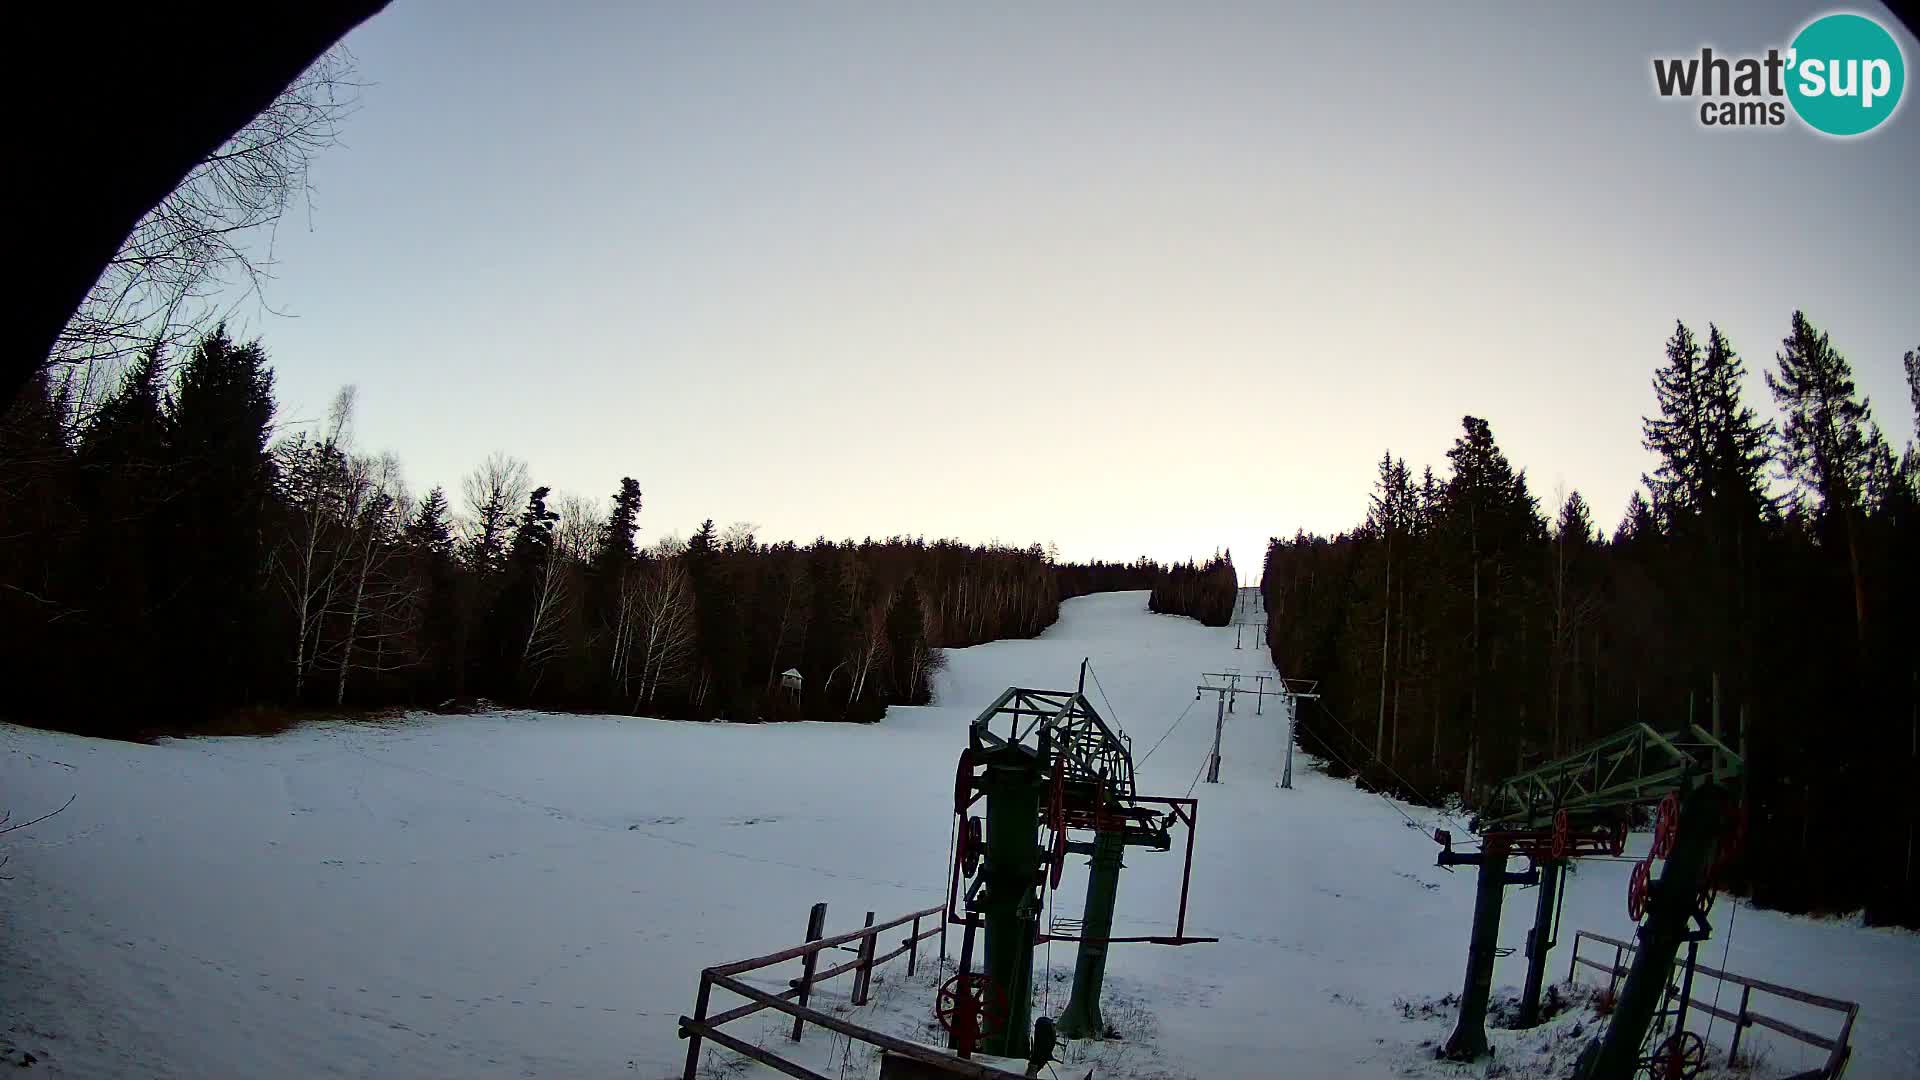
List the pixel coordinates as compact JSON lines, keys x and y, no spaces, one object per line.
{"x":1207,"y":592}
{"x":1766,"y":578}
{"x":164,"y":557}
{"x":1081,"y":579}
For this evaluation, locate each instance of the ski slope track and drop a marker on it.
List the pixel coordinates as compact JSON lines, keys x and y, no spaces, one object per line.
{"x":526,"y":894}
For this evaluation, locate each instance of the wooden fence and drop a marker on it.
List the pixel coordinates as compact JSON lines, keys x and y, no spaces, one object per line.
{"x":1837,"y":1047}
{"x":701,"y":1026}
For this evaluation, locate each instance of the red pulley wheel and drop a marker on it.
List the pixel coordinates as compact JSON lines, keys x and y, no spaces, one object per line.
{"x":984,"y":1000}
{"x":1560,"y":830}
{"x":1637,"y":886}
{"x":963,"y":782}
{"x":971,"y":845}
{"x":1680,"y":1057}
{"x":1666,"y":825}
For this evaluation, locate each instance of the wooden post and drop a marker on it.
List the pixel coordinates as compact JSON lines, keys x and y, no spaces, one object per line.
{"x":816,"y":925}
{"x":699,"y":1014}
{"x":1739,"y":1025}
{"x":863,"y":966}
{"x":1613,"y":977}
{"x":1575,"y":959}
{"x":913,"y":946}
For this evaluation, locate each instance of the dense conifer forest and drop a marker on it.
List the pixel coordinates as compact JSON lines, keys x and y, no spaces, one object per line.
{"x":1207,"y":593}
{"x":1766,"y":580}
{"x":167,"y":557}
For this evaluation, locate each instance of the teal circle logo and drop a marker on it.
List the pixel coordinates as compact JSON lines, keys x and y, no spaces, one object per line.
{"x":1845,"y":74}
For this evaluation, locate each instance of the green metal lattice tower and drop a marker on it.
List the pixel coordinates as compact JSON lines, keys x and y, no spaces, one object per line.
{"x":1550,"y":814}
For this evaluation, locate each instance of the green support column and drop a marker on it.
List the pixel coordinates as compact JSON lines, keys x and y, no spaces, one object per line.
{"x":1670,"y":906}
{"x":1012,"y":785}
{"x":1469,"y":1038}
{"x":1082,"y":1018}
{"x":1539,"y":941}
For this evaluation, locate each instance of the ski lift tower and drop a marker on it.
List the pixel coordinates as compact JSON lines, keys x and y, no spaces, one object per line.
{"x":1579,"y":805}
{"x":1056,"y":778}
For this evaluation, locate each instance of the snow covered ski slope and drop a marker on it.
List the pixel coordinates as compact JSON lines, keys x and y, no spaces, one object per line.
{"x":533,"y":895}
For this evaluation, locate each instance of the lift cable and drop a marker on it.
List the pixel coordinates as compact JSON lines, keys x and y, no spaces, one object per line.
{"x":1416,"y":792}
{"x":1379,"y":795}
{"x":1169,"y":731}
{"x":1197,"y":773}
{"x":1111,"y":711}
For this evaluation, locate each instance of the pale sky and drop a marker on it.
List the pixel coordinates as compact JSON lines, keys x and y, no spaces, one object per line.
{"x":1134,"y":279}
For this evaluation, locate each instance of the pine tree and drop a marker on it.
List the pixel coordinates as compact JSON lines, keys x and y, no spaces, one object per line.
{"x":1493,"y":525}
{"x":1911,"y":362}
{"x":616,"y":541}
{"x":430,"y":530}
{"x":210,"y":530}
{"x":120,"y":482}
{"x":1638,"y":525}
{"x":1679,"y":484}
{"x":721,"y":644}
{"x":1737,"y":442}
{"x":1827,"y":440}
{"x":429,"y":537}
{"x":613,"y":595}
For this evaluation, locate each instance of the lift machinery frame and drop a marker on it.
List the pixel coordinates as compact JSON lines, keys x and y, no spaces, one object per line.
{"x":1053,"y":767}
{"x":1578,"y":805}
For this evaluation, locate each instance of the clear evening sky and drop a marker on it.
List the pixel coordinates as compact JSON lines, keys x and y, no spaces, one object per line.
{"x":1134,"y":279}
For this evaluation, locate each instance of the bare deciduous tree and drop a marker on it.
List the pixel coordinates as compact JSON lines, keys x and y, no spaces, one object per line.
{"x":495,"y":493}
{"x":380,"y":602}
{"x":550,"y":605}
{"x":212,"y":234}
{"x":667,"y":627}
{"x":313,"y":478}
{"x":577,"y":534}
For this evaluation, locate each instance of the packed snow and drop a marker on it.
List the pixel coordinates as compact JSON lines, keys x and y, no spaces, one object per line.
{"x":525,"y":894}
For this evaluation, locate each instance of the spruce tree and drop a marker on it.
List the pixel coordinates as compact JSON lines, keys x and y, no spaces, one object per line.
{"x":430,"y":529}
{"x":716,"y":610}
{"x":616,"y":540}
{"x":1679,"y":484}
{"x":429,"y":537}
{"x":1827,"y":441}
{"x":209,"y":532}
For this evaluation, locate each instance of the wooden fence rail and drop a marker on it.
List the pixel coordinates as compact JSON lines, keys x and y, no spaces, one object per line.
{"x":1838,"y":1047}
{"x":701,"y":1026}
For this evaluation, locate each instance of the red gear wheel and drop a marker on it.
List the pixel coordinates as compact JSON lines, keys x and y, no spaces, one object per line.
{"x":1682,"y":1056}
{"x":1666,"y":825}
{"x":1638,"y":884}
{"x":965,"y":1001}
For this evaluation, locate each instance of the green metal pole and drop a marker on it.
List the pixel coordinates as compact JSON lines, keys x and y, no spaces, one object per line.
{"x":1539,"y":942}
{"x":1012,"y":864}
{"x":1669,"y":907}
{"x":1469,"y":1038}
{"x":1082,"y":1018}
